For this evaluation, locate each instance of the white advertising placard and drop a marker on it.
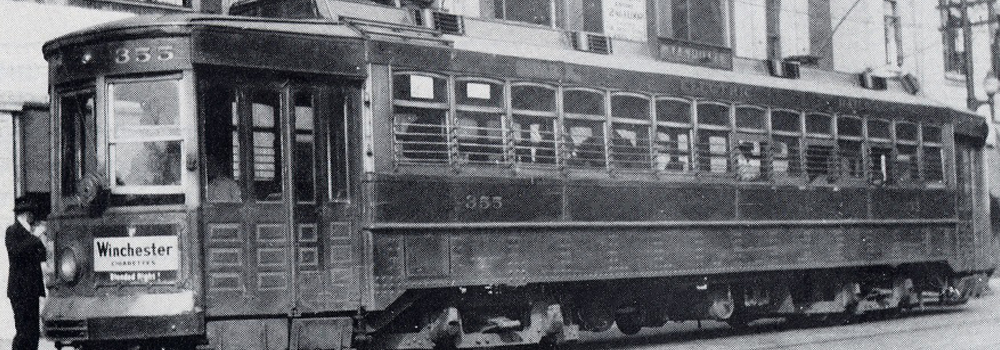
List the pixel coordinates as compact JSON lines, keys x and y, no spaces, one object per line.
{"x":625,"y":19}
{"x":129,"y":254}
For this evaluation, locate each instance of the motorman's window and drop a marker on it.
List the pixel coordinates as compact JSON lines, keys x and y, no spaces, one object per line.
{"x":76,"y":115}
{"x":222,"y":144}
{"x":478,"y":127}
{"x":265,"y":106}
{"x":933,"y":154}
{"x":880,"y":158}
{"x":420,"y":118}
{"x":712,"y":147}
{"x":907,"y":141}
{"x":533,"y":124}
{"x":584,"y":128}
{"x":528,"y":11}
{"x":630,"y":126}
{"x":672,"y":146}
{"x":146,"y":138}
{"x":785,"y":147}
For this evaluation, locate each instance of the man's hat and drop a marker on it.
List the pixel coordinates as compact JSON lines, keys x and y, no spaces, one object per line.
{"x":25,"y":204}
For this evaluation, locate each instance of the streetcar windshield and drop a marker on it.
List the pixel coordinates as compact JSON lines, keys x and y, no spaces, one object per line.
{"x":145,"y":137}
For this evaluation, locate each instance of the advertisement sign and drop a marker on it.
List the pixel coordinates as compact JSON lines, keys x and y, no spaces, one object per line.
{"x":625,"y":19}
{"x":136,"y":254}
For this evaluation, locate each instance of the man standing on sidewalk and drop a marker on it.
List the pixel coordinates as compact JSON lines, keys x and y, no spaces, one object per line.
{"x":26,"y":253}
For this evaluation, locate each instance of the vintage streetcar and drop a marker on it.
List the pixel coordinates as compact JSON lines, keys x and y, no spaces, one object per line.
{"x":331,"y":182}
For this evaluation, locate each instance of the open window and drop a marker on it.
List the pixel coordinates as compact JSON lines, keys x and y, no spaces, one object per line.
{"x":712,"y":147}
{"x":751,"y":144}
{"x":420,"y":118}
{"x":630,"y":121}
{"x":478,"y":130}
{"x":907,"y":146}
{"x":880,"y":152}
{"x":850,"y":155}
{"x":672,"y":145}
{"x":820,"y":148}
{"x":534,"y":123}
{"x":528,"y":11}
{"x":786,"y":131}
{"x":933,"y":154}
{"x":584,"y":121}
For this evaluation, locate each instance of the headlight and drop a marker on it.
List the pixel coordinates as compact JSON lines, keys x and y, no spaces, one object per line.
{"x":69,"y":268}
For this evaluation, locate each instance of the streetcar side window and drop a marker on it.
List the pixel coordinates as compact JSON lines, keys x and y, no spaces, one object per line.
{"x":76,"y":113}
{"x":820,"y":147}
{"x":629,"y":142}
{"x":533,"y":124}
{"x":851,"y":160}
{"x":933,"y":154}
{"x":222,"y":144}
{"x":145,"y":138}
{"x":907,"y":141}
{"x":712,"y":147}
{"x":880,"y":151}
{"x":672,"y":146}
{"x":785,"y":145}
{"x":750,"y":153}
{"x":584,"y":128}
{"x":420,"y":118}
{"x":479,"y":122}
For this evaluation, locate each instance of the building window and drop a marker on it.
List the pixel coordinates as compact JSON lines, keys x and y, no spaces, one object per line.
{"x":954,"y":45}
{"x":528,"y":11}
{"x":893,"y":34}
{"x":702,"y":21}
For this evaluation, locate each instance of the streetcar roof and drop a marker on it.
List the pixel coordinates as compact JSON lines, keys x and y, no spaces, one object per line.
{"x":179,"y":24}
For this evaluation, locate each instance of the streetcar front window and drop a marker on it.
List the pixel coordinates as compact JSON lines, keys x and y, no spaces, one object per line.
{"x":77,"y":124}
{"x":145,"y":139}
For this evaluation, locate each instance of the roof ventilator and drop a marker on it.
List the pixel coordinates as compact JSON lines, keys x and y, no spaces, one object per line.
{"x":447,"y":23}
{"x":784,"y":68}
{"x":591,"y":42}
{"x":871,"y":81}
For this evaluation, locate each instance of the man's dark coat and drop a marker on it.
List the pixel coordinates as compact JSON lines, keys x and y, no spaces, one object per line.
{"x":26,"y":253}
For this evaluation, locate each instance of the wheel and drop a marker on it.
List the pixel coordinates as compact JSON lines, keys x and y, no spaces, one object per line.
{"x":628,"y":325}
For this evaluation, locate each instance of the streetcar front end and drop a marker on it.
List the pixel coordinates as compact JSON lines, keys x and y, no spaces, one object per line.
{"x":124,"y":189}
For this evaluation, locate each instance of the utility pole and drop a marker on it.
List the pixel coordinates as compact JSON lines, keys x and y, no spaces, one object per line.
{"x":970,"y":85}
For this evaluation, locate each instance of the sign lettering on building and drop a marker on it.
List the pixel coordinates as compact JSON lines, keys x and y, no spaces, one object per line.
{"x":696,"y":54}
{"x":625,"y":19}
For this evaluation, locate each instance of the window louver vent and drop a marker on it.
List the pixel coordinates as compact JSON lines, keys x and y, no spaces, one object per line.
{"x":590,"y":42}
{"x":448,"y":23}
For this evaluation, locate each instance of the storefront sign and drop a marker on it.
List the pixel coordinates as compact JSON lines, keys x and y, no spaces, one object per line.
{"x":625,"y":19}
{"x":696,"y":54}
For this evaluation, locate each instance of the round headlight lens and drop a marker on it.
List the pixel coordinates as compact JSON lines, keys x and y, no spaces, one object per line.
{"x":68,"y":266}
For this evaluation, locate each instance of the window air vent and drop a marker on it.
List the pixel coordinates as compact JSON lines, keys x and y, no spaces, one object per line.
{"x":910,"y":83}
{"x":784,"y":68}
{"x":871,"y":81}
{"x":445,"y":22}
{"x":590,"y":42}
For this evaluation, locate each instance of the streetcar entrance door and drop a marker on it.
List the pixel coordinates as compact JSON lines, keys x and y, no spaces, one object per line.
{"x":267,"y":209}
